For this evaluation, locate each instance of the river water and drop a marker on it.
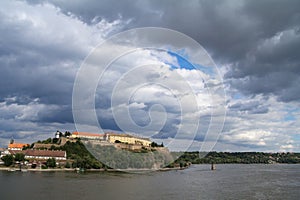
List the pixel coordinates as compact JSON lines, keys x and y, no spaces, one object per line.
{"x":198,"y":182}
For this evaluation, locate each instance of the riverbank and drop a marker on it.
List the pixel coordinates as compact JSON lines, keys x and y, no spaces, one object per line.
{"x":37,"y":169}
{"x":87,"y":170}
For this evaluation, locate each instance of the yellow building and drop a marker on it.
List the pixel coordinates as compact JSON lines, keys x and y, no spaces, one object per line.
{"x":127,"y":139}
{"x":85,"y":135}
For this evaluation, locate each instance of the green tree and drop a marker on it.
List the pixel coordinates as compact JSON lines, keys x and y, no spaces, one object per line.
{"x":48,"y":141}
{"x":55,"y":140}
{"x":154,"y":144}
{"x":67,"y":165}
{"x":67,"y":133}
{"x":19,"y":157}
{"x":51,"y":162}
{"x":8,"y":160}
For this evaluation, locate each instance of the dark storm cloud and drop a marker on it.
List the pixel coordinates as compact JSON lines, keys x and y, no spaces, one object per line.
{"x":40,"y":52}
{"x":37,"y":71}
{"x":28,"y":72}
{"x":62,"y":114}
{"x":240,"y":33}
{"x":110,"y":10}
{"x":49,"y":85}
{"x":259,"y":41}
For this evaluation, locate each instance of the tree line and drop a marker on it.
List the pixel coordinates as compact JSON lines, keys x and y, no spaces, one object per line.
{"x":237,"y":157}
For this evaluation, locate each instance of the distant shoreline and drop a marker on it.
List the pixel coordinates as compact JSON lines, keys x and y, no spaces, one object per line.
{"x":12,"y":169}
{"x":87,"y":170}
{"x":34,"y":170}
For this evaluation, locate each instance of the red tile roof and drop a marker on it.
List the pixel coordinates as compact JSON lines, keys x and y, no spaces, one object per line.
{"x":45,"y":153}
{"x":13,"y":152}
{"x":17,"y":145}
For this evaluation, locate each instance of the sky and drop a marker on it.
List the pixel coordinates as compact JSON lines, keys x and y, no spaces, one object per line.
{"x":238,"y":91}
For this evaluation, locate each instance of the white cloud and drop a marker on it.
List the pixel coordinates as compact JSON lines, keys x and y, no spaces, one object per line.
{"x":21,"y":112}
{"x":140,"y":78}
{"x":44,"y":29}
{"x":261,"y":131}
{"x":44,"y":48}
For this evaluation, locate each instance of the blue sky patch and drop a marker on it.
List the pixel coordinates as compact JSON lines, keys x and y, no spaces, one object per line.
{"x":184,"y":63}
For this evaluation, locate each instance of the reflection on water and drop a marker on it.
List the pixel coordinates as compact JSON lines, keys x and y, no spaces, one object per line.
{"x":197,"y":182}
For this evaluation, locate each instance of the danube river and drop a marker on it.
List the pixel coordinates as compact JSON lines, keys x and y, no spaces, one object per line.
{"x":277,"y":181}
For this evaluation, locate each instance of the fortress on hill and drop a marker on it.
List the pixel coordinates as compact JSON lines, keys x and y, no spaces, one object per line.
{"x":114,"y":138}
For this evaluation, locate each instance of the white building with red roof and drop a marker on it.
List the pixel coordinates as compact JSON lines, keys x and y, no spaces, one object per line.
{"x":40,"y":154}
